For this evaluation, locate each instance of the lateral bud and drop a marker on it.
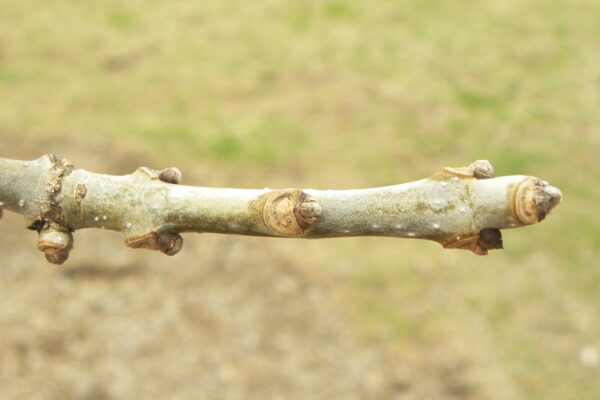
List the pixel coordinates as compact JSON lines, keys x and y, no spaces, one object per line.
{"x":479,"y":169}
{"x":289,"y":212}
{"x":486,"y":239}
{"x":169,"y":243}
{"x":167,"y":175}
{"x":55,"y":242}
{"x":170,"y":175}
{"x":308,"y":211}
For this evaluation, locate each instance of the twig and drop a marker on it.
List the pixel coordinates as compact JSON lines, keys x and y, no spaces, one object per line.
{"x":461,"y":208}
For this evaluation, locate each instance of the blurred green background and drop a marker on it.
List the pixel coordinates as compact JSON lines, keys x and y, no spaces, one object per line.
{"x":323,"y":94}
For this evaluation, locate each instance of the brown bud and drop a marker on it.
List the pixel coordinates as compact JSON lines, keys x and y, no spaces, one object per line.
{"x":170,"y":175}
{"x":37,"y":225}
{"x":534,"y":199}
{"x":57,"y":258}
{"x":309,"y":211}
{"x":169,"y":243}
{"x":55,"y":242}
{"x":482,"y":169}
{"x":490,"y":239}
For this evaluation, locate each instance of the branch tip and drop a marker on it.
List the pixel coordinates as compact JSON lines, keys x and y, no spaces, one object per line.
{"x":534,"y":199}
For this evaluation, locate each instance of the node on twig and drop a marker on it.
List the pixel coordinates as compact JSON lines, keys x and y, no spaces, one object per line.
{"x":55,"y":242}
{"x":169,"y":243}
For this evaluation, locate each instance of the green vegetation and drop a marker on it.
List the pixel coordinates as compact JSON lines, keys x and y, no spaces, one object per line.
{"x":355,"y":93}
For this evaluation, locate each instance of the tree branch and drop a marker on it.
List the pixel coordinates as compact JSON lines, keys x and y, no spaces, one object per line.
{"x":461,"y":208}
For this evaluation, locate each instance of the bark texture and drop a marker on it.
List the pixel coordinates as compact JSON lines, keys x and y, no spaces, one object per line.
{"x":461,"y":208}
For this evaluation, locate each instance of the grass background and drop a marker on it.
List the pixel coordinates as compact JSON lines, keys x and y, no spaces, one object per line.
{"x":341,"y":94}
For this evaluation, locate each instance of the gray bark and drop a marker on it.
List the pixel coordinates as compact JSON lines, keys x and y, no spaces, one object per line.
{"x":457,"y":207}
